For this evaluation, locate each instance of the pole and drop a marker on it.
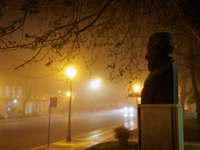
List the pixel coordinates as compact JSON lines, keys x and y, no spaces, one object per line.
{"x":69,"y":117}
{"x":49,"y":122}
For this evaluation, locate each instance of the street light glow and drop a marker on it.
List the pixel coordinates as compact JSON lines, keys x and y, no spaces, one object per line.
{"x":71,"y":72}
{"x":136,"y":88}
{"x":95,"y":83}
{"x":68,"y":93}
{"x":15,"y":101}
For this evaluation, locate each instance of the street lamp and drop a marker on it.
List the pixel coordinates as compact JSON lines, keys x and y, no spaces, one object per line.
{"x":15,"y":101}
{"x":95,"y":83}
{"x":137,"y":92}
{"x":71,"y":73}
{"x":68,"y":93}
{"x":136,"y":88}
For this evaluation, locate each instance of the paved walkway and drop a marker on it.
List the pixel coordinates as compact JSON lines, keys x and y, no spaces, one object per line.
{"x":84,"y":141}
{"x":79,"y":142}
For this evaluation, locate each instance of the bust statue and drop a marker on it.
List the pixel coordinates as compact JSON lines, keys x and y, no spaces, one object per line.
{"x":161,"y":86}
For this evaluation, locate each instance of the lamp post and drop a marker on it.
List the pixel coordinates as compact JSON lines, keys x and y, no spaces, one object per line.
{"x":71,"y":73}
{"x":137,"y":91}
{"x":94,"y":84}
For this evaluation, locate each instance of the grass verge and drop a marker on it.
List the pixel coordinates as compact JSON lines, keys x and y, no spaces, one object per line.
{"x":190,"y":128}
{"x":191,"y":133}
{"x":114,"y":145}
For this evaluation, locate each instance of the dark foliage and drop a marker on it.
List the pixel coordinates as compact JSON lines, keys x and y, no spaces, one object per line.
{"x":122,"y":134}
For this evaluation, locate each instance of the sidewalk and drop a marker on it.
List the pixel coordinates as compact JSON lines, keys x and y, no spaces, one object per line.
{"x":79,"y":142}
{"x":84,"y":141}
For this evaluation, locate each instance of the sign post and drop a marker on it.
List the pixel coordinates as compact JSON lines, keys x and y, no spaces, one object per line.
{"x":53,"y":103}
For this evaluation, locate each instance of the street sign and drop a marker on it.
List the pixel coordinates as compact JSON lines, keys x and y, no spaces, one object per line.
{"x":53,"y":101}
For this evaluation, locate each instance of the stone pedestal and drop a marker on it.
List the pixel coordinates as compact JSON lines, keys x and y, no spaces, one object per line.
{"x":160,"y":127}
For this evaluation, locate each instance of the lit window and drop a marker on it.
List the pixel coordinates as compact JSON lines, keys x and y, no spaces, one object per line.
{"x":13,"y":91}
{"x":7,"y":91}
{"x":19,"y":92}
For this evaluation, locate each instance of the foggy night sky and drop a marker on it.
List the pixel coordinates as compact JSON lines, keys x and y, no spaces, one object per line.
{"x":38,"y":72}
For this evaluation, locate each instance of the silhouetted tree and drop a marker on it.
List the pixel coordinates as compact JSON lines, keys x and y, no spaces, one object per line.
{"x":68,"y":28}
{"x":28,"y":91}
{"x":63,"y":29}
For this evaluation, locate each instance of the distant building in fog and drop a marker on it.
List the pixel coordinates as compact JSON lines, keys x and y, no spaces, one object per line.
{"x":16,"y":91}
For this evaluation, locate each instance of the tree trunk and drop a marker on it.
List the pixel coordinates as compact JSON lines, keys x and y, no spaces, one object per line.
{"x":23,"y":109}
{"x":190,"y":12}
{"x":194,"y":85}
{"x":182,"y":102}
{"x":196,"y":93}
{"x":183,"y":94}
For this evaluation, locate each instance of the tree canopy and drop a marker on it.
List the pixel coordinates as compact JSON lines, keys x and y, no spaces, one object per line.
{"x":119,"y":29}
{"x":61,"y":30}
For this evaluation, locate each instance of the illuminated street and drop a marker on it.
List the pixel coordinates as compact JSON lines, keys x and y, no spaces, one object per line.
{"x":23,"y":134}
{"x":91,"y":65}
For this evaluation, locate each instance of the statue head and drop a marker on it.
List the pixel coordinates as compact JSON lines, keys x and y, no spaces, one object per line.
{"x":160,"y":45}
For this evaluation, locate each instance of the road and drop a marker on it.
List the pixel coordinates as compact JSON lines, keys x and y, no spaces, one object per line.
{"x":23,"y":134}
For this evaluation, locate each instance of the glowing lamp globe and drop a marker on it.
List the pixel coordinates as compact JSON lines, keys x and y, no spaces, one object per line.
{"x":71,"y":72}
{"x":136,"y":88}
